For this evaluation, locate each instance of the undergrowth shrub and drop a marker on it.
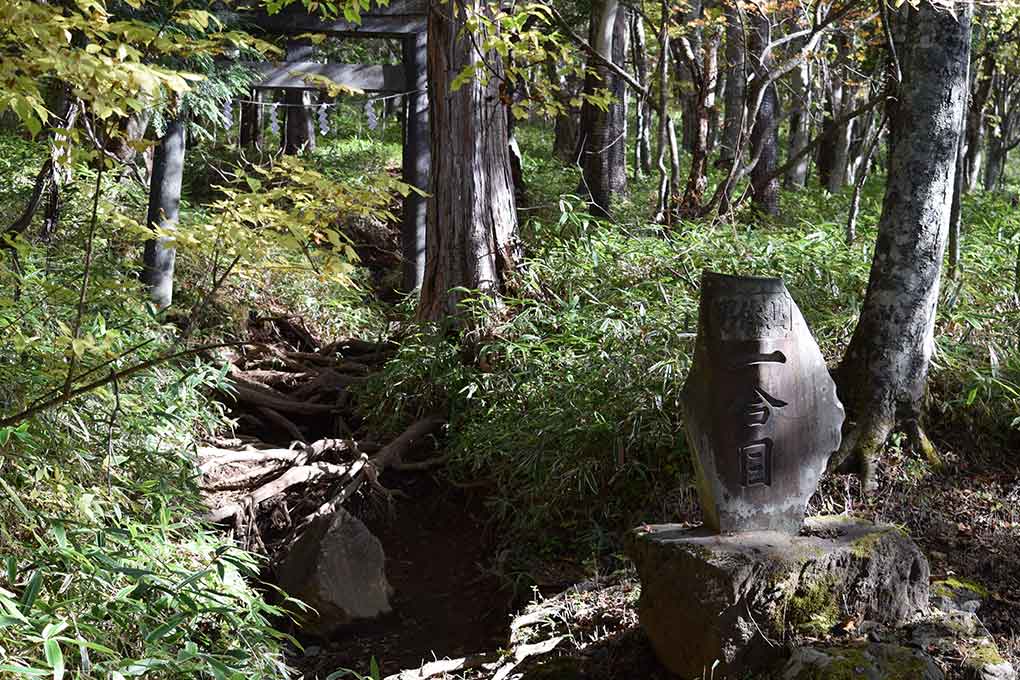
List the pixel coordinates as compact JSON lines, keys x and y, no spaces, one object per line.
{"x":568,"y":406}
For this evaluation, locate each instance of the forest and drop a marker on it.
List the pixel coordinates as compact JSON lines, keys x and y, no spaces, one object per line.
{"x":518,"y":340}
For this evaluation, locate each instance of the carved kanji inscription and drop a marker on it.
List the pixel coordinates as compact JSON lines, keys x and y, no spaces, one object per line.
{"x":760,"y":408}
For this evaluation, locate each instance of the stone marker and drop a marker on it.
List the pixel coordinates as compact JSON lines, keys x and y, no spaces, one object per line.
{"x":760,"y":409}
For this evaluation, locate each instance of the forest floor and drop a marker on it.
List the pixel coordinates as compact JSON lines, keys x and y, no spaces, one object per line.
{"x":452,"y":601}
{"x":448,"y":558}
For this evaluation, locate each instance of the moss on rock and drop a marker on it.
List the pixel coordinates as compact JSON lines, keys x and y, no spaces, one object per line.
{"x":870,"y":662}
{"x":815,"y":609}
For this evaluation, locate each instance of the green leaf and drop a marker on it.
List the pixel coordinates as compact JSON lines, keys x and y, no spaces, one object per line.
{"x":165,"y":629}
{"x":24,"y":670}
{"x":32,"y":591}
{"x":55,"y":658}
{"x":13,"y":496}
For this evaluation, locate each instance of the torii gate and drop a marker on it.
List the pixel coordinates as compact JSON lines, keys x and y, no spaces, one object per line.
{"x":402,"y":19}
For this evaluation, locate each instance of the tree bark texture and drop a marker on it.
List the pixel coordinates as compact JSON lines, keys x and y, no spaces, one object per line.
{"x":800,"y":126}
{"x":417,"y":161}
{"x":736,"y":85}
{"x":597,"y":137}
{"x":163,"y":212}
{"x":884,"y":372}
{"x":764,"y":183}
{"x":472,"y":239}
{"x":299,"y":128}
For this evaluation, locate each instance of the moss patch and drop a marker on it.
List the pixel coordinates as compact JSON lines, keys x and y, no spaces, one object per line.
{"x":951,"y":586}
{"x":814,"y":610}
{"x":864,"y":546}
{"x":981,"y":655}
{"x":848,"y":663}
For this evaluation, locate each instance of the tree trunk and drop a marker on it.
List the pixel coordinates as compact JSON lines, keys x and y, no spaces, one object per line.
{"x":472,"y":239}
{"x":995,"y":163}
{"x":416,"y":161}
{"x":715,"y":114}
{"x":685,"y":76}
{"x":883,"y":374}
{"x":642,"y":111}
{"x":251,"y":121}
{"x":956,"y":211}
{"x":764,"y":184}
{"x":859,"y":180}
{"x":703,"y":99}
{"x":976,"y":122}
{"x":800,"y":126}
{"x":596,"y":139}
{"x":618,"y":109}
{"x":299,"y":131}
{"x":839,"y":136}
{"x":567,"y":126}
{"x":163,"y":212}
{"x":299,"y":128}
{"x":736,"y":85}
{"x":662,"y":214}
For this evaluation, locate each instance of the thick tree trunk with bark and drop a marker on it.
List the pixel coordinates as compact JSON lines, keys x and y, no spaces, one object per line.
{"x":472,"y":239}
{"x":299,"y":128}
{"x":416,"y":161}
{"x":598,"y":133}
{"x":736,"y":85}
{"x":882,"y":377}
{"x":976,"y":122}
{"x":800,"y":126}
{"x":764,"y":183}
{"x":164,"y":210}
{"x":643,"y":111}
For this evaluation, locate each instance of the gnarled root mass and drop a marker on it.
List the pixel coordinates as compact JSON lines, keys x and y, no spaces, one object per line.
{"x":301,"y":452}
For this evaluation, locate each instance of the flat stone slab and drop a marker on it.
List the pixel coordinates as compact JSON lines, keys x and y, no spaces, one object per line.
{"x":736,"y":599}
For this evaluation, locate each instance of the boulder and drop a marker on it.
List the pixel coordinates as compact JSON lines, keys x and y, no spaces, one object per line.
{"x":867,"y":661}
{"x":951,"y":632}
{"x":733,"y":599}
{"x":337,"y":567}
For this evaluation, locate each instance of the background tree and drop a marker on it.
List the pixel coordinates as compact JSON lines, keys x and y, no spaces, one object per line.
{"x":883,"y":375}
{"x":472,"y":241}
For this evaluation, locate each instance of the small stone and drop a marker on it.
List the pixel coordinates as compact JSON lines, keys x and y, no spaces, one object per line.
{"x":706,"y":597}
{"x":337,"y":567}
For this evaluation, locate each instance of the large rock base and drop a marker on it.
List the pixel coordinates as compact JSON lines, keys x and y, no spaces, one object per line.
{"x":734,"y":599}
